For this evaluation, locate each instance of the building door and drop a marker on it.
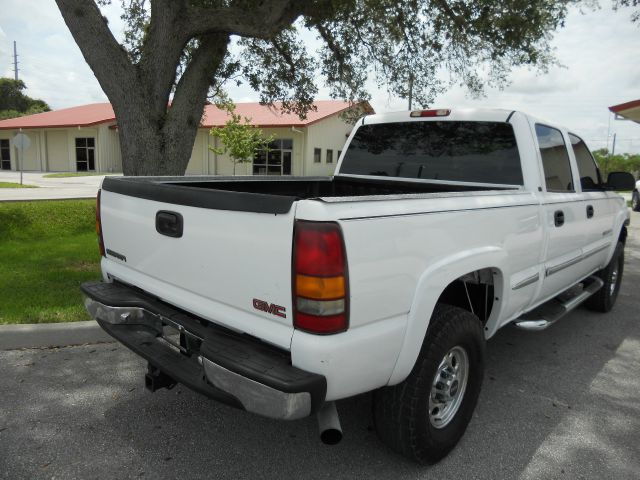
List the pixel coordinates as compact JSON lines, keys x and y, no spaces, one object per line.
{"x":85,"y":154}
{"x":5,"y":155}
{"x":275,"y":159}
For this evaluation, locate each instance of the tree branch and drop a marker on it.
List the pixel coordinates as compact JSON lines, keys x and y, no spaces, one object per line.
{"x":263,"y":22}
{"x":185,"y":112}
{"x":106,"y":57}
{"x":161,"y":50}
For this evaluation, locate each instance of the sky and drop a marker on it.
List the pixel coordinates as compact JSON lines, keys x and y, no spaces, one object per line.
{"x":599,"y":52}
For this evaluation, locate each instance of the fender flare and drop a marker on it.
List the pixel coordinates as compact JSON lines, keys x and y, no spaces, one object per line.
{"x":430,"y":286}
{"x":620,"y":223}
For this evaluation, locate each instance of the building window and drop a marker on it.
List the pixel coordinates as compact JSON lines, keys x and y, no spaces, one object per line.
{"x":275,"y":159}
{"x":329,"y":155}
{"x":85,"y":154}
{"x":317,"y":155}
{"x":339,"y":154}
{"x":5,"y":155}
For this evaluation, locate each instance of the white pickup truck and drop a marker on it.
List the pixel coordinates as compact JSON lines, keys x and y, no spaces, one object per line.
{"x":281,"y":295}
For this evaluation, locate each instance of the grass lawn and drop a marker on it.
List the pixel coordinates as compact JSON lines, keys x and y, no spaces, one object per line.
{"x":65,"y":175}
{"x":15,"y":185}
{"x":47,"y":249}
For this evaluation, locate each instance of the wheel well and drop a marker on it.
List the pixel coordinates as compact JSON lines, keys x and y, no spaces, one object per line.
{"x":474,"y":292}
{"x":623,"y":235}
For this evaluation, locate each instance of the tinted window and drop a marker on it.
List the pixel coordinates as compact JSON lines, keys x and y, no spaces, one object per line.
{"x":555,"y":159}
{"x":481,"y":152}
{"x":587,"y":169}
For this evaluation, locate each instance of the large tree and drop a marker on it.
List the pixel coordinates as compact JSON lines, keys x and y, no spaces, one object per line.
{"x":177,"y":52}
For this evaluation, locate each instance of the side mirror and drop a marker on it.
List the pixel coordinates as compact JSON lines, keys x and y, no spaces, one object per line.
{"x":621,"y":181}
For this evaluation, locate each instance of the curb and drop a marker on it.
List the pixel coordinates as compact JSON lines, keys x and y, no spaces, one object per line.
{"x":39,"y":335}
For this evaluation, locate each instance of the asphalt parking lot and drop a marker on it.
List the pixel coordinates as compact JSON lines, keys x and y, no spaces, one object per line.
{"x":562,"y":403}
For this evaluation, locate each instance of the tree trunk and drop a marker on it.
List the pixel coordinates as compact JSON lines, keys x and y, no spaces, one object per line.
{"x":156,"y":138}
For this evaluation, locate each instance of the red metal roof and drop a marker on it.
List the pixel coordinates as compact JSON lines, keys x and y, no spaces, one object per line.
{"x":97,"y":113}
{"x":625,"y":106}
{"x":83,"y":116}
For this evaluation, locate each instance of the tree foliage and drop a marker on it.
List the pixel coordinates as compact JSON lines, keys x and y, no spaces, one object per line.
{"x":14,"y":103}
{"x":185,"y":50}
{"x":625,"y":162}
{"x":632,"y":4}
{"x":239,"y":137}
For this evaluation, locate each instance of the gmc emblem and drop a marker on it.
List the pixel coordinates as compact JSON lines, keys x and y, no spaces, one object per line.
{"x":271,"y":308}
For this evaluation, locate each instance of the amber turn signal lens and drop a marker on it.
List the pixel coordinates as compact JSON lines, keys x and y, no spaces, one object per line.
{"x":320,"y":288}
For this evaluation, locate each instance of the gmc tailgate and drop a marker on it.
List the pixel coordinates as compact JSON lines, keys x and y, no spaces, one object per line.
{"x":185,"y":246}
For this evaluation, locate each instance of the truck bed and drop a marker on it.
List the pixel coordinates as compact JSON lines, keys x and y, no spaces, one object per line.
{"x":268,"y":194}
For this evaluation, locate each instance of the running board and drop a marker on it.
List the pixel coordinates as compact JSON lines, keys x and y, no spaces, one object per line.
{"x":550,"y":312}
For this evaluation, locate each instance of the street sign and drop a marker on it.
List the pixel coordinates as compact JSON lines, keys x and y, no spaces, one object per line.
{"x":21,"y":142}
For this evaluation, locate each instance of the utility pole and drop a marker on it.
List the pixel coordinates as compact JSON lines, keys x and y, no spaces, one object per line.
{"x":410,"y":90}
{"x":613,"y":148}
{"x":15,"y":60}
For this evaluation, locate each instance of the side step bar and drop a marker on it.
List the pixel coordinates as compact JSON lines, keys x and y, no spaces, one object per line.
{"x":550,"y":312}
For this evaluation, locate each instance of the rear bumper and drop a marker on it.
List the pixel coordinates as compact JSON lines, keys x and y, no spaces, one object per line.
{"x":234,"y":369}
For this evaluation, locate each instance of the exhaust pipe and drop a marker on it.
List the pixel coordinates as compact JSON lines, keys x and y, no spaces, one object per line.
{"x":329,"y":424}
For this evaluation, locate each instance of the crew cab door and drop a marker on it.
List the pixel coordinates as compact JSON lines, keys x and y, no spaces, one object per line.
{"x":564,"y":215}
{"x":599,"y":209}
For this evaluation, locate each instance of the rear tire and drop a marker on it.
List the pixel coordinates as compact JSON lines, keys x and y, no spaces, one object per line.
{"x":425,"y":416}
{"x":604,"y":299}
{"x":635,"y":201}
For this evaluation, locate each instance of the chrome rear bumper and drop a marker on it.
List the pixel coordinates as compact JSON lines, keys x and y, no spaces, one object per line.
{"x":223,"y":365}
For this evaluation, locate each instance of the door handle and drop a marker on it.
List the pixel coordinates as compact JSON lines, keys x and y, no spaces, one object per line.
{"x":589,"y":211}
{"x":558,"y":218}
{"x":169,"y":223}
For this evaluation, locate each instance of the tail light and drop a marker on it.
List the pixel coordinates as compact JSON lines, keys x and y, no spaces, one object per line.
{"x":99,"y":225}
{"x":442,"y":112}
{"x":320,"y":282}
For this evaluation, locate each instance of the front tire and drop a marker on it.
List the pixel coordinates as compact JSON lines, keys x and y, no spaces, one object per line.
{"x":425,"y":416}
{"x":605,"y":298}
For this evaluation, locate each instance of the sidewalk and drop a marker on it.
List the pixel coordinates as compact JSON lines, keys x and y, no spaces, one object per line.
{"x":49,"y":188}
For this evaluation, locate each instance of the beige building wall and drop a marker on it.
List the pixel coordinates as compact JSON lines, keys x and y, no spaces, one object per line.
{"x":328,"y":134}
{"x":57,"y":142}
{"x":54,"y":150}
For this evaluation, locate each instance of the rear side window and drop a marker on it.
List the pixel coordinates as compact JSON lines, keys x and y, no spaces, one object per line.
{"x":479,"y":152}
{"x":587,"y":169}
{"x":555,"y":159}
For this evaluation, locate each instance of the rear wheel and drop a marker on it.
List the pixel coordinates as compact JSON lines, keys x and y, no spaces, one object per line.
{"x":424,"y":416}
{"x":604,"y":299}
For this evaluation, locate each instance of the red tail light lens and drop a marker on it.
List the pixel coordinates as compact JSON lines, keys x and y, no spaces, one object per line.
{"x":99,"y":225}
{"x":442,"y":112}
{"x":320,"y":286}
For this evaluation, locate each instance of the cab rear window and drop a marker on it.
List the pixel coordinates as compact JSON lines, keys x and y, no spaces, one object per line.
{"x":478,"y":152}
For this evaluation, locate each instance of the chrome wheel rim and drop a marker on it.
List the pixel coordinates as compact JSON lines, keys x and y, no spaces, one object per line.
{"x":448,"y":387}
{"x":614,"y":280}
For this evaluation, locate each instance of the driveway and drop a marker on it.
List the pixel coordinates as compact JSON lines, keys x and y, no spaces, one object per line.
{"x":562,"y":403}
{"x":49,"y":188}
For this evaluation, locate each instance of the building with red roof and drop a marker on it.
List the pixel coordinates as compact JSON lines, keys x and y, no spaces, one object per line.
{"x":628,"y":110}
{"x":85,"y":138}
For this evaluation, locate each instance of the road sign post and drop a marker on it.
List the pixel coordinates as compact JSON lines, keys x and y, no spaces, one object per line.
{"x":21,"y":142}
